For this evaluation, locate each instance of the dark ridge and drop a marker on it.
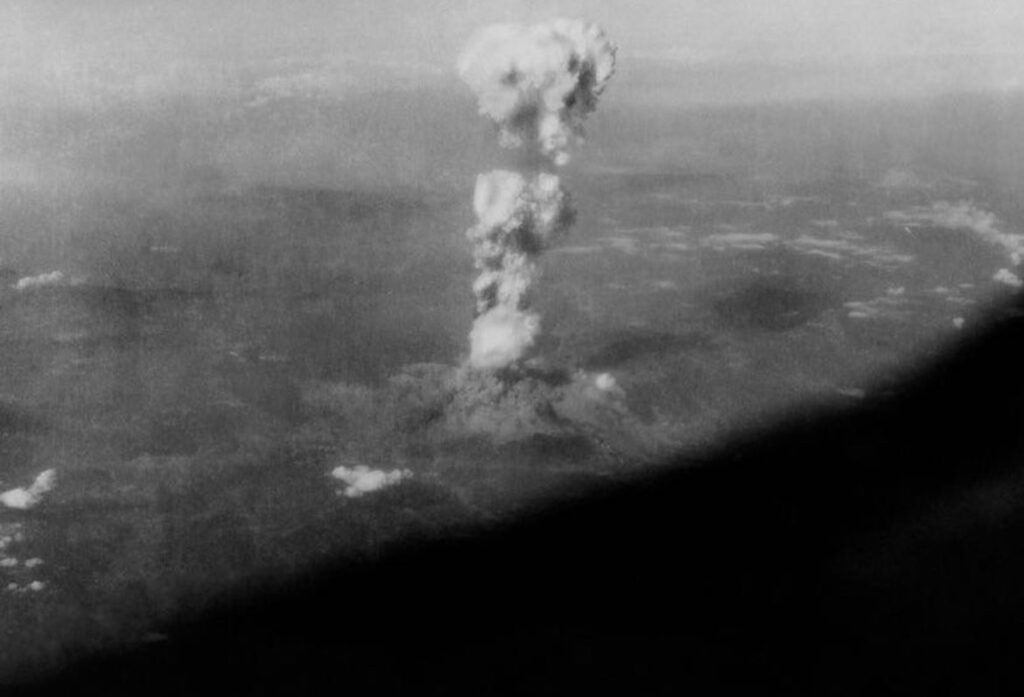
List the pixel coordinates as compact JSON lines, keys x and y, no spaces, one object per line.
{"x":771,"y":304}
{"x":343,"y":204}
{"x":17,"y":421}
{"x":646,"y":182}
{"x":865,"y":551}
{"x":553,"y":376}
{"x":550,"y":450}
{"x":628,"y":345}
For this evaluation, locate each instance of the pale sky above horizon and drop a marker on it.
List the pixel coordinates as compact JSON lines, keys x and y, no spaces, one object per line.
{"x":87,"y":56}
{"x":40,"y":37}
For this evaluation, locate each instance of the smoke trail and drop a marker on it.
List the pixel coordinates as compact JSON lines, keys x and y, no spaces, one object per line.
{"x":538,"y":84}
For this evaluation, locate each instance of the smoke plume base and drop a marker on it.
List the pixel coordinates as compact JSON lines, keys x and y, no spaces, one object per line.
{"x":434,"y":408}
{"x":538,"y":84}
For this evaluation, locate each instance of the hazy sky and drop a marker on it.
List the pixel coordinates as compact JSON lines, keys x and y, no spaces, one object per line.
{"x":41,"y":39}
{"x":89,"y":61}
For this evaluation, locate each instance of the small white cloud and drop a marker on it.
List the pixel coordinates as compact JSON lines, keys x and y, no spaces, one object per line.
{"x":1008,"y":277}
{"x":739,"y":240}
{"x":848,"y":246}
{"x":362,"y":480}
{"x":958,"y":322}
{"x":54,"y":278}
{"x":24,"y":498}
{"x":883,"y":307}
{"x":835,"y":256}
{"x":10,"y":532}
{"x":960,"y":300}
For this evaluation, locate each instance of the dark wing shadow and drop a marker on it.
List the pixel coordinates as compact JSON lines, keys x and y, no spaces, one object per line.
{"x":856,"y":552}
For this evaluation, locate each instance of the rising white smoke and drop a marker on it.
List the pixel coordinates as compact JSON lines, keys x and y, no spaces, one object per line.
{"x":538,"y":84}
{"x":517,"y":219}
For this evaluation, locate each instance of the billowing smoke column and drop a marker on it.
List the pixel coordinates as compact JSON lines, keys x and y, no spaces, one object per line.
{"x":538,"y":84}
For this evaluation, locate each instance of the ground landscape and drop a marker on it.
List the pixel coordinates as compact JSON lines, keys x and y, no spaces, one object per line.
{"x":237,"y":366}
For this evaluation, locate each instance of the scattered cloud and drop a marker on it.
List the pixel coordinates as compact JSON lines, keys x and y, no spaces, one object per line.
{"x":886,"y":307}
{"x":847,"y":246}
{"x":962,"y":216}
{"x":722,"y":241}
{"x":54,"y":278}
{"x":361,"y":480}
{"x":33,"y":587}
{"x":9,"y":534}
{"x":1008,"y":277}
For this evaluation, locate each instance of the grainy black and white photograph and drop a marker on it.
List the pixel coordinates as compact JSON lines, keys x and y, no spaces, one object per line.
{"x":511,"y":347}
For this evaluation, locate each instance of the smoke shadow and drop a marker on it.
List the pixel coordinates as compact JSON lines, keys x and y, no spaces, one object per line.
{"x":629,"y":345}
{"x":16,"y":422}
{"x":772,"y":305}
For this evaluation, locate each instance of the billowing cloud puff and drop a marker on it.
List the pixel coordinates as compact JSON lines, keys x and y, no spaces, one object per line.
{"x":539,"y":83}
{"x":531,"y":210}
{"x":501,"y":336}
{"x":517,"y":219}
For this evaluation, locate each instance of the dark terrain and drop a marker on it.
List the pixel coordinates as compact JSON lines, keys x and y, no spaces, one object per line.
{"x":866,"y":550}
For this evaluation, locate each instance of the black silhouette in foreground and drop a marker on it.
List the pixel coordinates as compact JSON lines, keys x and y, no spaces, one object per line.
{"x":868,"y":551}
